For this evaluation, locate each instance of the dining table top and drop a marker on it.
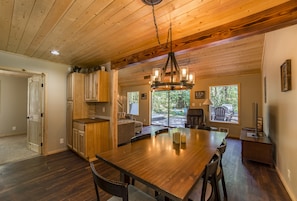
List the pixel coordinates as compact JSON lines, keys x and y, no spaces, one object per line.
{"x":169,"y":167}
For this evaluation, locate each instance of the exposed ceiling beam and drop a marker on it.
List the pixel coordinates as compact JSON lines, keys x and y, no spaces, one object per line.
{"x":269,"y":20}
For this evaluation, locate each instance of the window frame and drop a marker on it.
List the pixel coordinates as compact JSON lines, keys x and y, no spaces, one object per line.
{"x":128,"y":102}
{"x":171,"y":107}
{"x":211,"y":107}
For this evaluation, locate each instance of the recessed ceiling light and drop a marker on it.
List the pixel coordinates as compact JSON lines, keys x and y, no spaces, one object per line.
{"x":55,"y":52}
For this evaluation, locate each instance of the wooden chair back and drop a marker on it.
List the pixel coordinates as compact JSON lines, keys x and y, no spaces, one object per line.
{"x":194,"y":118}
{"x":115,"y":188}
{"x":210,"y":175}
{"x":220,"y":172}
{"x":220,"y":113}
{"x":164,"y":130}
{"x":207,"y":187}
{"x":222,"y":147}
{"x":140,"y":137}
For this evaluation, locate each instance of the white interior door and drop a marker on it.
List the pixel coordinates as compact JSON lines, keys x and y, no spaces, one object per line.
{"x":35,"y":111}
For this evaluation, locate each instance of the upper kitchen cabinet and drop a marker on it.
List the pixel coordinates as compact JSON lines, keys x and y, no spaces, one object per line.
{"x":75,"y":95}
{"x":97,"y":86}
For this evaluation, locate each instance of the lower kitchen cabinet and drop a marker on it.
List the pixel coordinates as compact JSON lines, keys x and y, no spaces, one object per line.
{"x":90,"y":139}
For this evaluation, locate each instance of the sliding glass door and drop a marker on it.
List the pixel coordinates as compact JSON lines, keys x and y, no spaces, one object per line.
{"x":169,"y":108}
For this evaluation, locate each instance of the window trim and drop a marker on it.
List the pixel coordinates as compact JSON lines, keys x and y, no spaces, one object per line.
{"x":238,"y":104}
{"x":128,"y":106}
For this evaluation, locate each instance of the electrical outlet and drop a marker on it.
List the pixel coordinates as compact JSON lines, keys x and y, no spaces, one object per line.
{"x":14,"y":128}
{"x":61,"y":140}
{"x":289,"y":174}
{"x":103,"y":109}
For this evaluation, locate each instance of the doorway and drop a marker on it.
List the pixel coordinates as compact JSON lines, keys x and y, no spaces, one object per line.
{"x":169,"y":108}
{"x":17,"y":132}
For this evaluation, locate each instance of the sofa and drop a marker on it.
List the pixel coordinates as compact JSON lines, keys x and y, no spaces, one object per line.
{"x":138,"y":124}
{"x":127,"y":128}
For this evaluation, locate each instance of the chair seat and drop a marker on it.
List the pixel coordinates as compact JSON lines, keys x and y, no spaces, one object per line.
{"x":134,"y":195}
{"x":197,"y":191}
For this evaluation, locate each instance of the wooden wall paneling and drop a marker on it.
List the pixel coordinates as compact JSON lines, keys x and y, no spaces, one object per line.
{"x":70,"y":27}
{"x":21,"y":14}
{"x":6,"y":10}
{"x":117,"y":27}
{"x":61,"y":29}
{"x":38,"y":14}
{"x":56,"y":12}
{"x":89,"y":33}
{"x":262,"y":22}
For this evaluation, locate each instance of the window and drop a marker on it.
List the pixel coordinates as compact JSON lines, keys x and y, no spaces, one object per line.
{"x":133,"y":102}
{"x":225,"y":101}
{"x":169,"y":108}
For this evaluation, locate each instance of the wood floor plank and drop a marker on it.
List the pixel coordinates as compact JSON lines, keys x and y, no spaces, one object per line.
{"x":65,"y":176}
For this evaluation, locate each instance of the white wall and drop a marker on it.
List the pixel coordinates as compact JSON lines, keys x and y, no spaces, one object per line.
{"x":55,"y":89}
{"x":144,"y":107}
{"x":250,"y":91}
{"x":280,"y":109}
{"x":13,"y":105}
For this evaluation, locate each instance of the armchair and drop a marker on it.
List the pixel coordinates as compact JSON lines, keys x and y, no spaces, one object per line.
{"x":194,"y":118}
{"x":220,"y":113}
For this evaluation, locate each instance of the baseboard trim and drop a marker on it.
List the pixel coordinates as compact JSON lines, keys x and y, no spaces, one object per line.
{"x":11,"y":134}
{"x":57,"y":151}
{"x":292,"y":196}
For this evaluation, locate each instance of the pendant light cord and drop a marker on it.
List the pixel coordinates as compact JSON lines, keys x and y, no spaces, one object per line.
{"x":157,"y":29}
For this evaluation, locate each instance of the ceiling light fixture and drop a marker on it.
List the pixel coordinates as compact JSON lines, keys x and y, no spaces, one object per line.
{"x":175,"y":77}
{"x":151,"y":2}
{"x":55,"y":52}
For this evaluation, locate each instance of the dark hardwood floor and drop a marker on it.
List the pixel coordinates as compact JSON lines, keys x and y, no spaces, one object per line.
{"x":65,"y":176}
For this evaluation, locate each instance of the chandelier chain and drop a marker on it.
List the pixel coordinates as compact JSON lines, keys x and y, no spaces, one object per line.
{"x":179,"y":78}
{"x":157,"y":29}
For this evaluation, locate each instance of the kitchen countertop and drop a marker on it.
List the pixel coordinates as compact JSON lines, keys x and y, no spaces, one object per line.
{"x":89,"y":120}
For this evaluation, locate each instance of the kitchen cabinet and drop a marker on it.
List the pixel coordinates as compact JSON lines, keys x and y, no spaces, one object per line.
{"x":97,"y":86}
{"x":90,"y":138}
{"x":77,"y":108}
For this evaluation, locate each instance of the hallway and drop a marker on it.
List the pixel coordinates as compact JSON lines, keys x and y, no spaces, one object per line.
{"x":13,"y":148}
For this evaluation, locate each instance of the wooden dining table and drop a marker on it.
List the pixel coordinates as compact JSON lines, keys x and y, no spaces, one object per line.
{"x":169,"y":168}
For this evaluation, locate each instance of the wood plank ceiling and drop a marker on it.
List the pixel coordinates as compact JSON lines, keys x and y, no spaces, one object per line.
{"x":93,"y":32}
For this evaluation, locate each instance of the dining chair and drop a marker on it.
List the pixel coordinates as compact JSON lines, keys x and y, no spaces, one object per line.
{"x":225,"y":130}
{"x":160,"y":131}
{"x":206,"y":188}
{"x":119,"y":190}
{"x":140,"y":137}
{"x":220,"y":172}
